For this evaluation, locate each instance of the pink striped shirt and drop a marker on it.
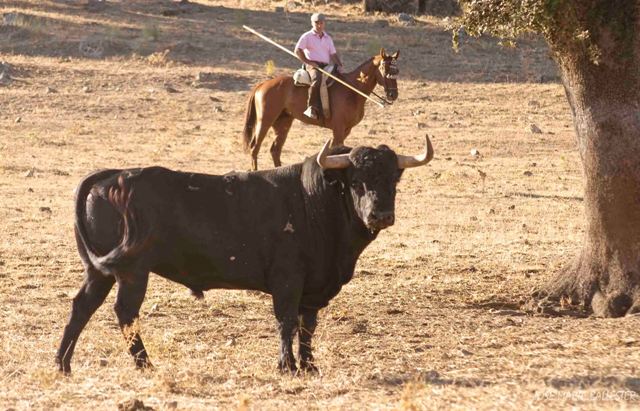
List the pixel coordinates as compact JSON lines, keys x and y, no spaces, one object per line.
{"x":316,"y":48}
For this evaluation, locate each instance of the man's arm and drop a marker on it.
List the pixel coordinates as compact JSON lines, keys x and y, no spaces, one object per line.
{"x":333,"y":54}
{"x":336,"y":59}
{"x":304,"y":58}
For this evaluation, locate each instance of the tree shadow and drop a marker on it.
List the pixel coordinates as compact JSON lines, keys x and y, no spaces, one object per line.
{"x":552,"y":197}
{"x":590,"y":381}
{"x":431,"y":378}
{"x":526,"y":306}
{"x":225,"y":82}
{"x":203,"y":35}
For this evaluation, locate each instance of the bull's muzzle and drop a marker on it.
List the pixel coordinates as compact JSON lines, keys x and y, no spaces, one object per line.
{"x":379,"y":220}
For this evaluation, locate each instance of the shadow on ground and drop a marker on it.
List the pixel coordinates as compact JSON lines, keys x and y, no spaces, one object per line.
{"x":200,"y":35}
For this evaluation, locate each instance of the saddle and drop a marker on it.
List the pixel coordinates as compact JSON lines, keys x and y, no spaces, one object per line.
{"x":302,"y":78}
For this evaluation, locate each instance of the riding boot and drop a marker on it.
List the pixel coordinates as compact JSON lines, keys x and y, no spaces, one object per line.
{"x":312,"y":103}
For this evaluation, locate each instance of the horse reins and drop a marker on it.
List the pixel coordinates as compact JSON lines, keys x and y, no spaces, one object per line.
{"x":383,"y":100}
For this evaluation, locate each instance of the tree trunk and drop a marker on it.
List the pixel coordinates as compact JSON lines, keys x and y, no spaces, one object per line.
{"x":605,"y":103}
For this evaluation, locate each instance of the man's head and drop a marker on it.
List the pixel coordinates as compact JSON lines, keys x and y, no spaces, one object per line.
{"x":317,"y":21}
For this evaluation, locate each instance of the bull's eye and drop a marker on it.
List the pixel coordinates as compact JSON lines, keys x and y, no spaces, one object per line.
{"x":357,"y":186}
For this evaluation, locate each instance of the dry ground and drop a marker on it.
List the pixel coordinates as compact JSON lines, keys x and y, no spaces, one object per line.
{"x":431,"y":318}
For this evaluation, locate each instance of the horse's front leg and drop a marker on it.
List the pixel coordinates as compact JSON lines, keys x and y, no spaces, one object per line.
{"x":339,"y":134}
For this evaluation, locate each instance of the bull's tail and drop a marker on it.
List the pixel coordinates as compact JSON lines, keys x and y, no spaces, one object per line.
{"x":119,"y":259}
{"x":249,"y":120}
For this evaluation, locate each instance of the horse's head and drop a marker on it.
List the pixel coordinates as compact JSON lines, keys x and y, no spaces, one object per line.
{"x":387,"y":73}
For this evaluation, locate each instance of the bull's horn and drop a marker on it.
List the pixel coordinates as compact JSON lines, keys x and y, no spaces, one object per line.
{"x":326,"y":161}
{"x":416,"y":161}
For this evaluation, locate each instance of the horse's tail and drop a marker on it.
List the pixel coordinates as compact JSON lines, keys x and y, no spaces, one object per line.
{"x":249,"y":119}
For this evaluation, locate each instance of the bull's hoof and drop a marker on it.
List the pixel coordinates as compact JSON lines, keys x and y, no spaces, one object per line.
{"x":287,"y":367}
{"x":308,"y":368}
{"x":144,"y":364}
{"x":63,"y":368}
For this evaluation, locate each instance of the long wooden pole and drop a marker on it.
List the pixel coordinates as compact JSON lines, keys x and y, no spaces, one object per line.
{"x":268,"y":40}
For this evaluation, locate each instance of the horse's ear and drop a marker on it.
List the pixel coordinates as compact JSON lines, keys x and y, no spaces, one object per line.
{"x":395,"y":55}
{"x":382,"y":53}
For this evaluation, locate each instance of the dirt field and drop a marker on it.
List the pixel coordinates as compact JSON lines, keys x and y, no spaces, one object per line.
{"x":432,"y":318}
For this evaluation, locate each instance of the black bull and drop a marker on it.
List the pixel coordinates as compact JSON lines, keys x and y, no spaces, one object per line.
{"x":294,"y":232}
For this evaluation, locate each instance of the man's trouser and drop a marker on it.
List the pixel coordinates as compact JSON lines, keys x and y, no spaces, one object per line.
{"x":314,"y":93}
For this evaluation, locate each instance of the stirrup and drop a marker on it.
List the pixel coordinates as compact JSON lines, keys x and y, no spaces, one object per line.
{"x":309,"y":112}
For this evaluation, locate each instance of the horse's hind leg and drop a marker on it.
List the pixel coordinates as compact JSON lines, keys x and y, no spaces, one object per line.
{"x":131,"y":291}
{"x":256,"y":142}
{"x":262,"y":127}
{"x":92,"y":294}
{"x":266,"y":115}
{"x":281,"y":128}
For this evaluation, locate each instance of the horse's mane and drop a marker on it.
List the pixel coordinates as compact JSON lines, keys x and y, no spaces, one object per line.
{"x":359,"y":68}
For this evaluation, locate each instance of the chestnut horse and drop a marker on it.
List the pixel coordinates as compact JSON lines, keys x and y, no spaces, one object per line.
{"x":277,"y":102}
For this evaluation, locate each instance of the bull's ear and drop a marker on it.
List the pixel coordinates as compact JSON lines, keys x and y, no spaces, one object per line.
{"x":395,"y":55}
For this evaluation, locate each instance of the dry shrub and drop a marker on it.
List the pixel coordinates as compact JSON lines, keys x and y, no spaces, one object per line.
{"x":159,"y":58}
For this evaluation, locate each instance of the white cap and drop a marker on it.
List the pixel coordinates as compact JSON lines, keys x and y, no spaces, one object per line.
{"x":317,"y":17}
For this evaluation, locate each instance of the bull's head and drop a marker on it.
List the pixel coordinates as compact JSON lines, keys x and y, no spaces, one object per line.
{"x":372,"y":175}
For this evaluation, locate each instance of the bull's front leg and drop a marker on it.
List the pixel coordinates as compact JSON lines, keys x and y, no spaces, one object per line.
{"x":287,"y":322}
{"x":285,"y":307}
{"x":308,"y":322}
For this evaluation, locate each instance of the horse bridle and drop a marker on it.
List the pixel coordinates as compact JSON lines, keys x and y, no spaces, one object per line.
{"x":391,"y":75}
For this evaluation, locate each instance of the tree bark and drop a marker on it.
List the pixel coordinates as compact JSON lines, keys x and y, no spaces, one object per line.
{"x":605,"y":103}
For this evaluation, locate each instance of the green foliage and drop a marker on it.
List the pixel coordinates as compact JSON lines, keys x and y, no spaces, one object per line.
{"x":570,"y":27}
{"x":508,"y":19}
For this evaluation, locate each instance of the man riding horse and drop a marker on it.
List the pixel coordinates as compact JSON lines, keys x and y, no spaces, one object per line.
{"x":275,"y":103}
{"x":315,"y":48}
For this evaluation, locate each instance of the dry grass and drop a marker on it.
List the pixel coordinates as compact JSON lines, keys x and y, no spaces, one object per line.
{"x":431,"y":318}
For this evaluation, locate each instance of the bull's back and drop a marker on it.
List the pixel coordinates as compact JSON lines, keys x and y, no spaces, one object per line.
{"x":203,"y":231}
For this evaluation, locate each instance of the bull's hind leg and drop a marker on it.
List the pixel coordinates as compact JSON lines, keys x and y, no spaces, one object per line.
{"x":308,"y":322}
{"x":131,"y":291}
{"x":281,"y":128}
{"x":92,"y":294}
